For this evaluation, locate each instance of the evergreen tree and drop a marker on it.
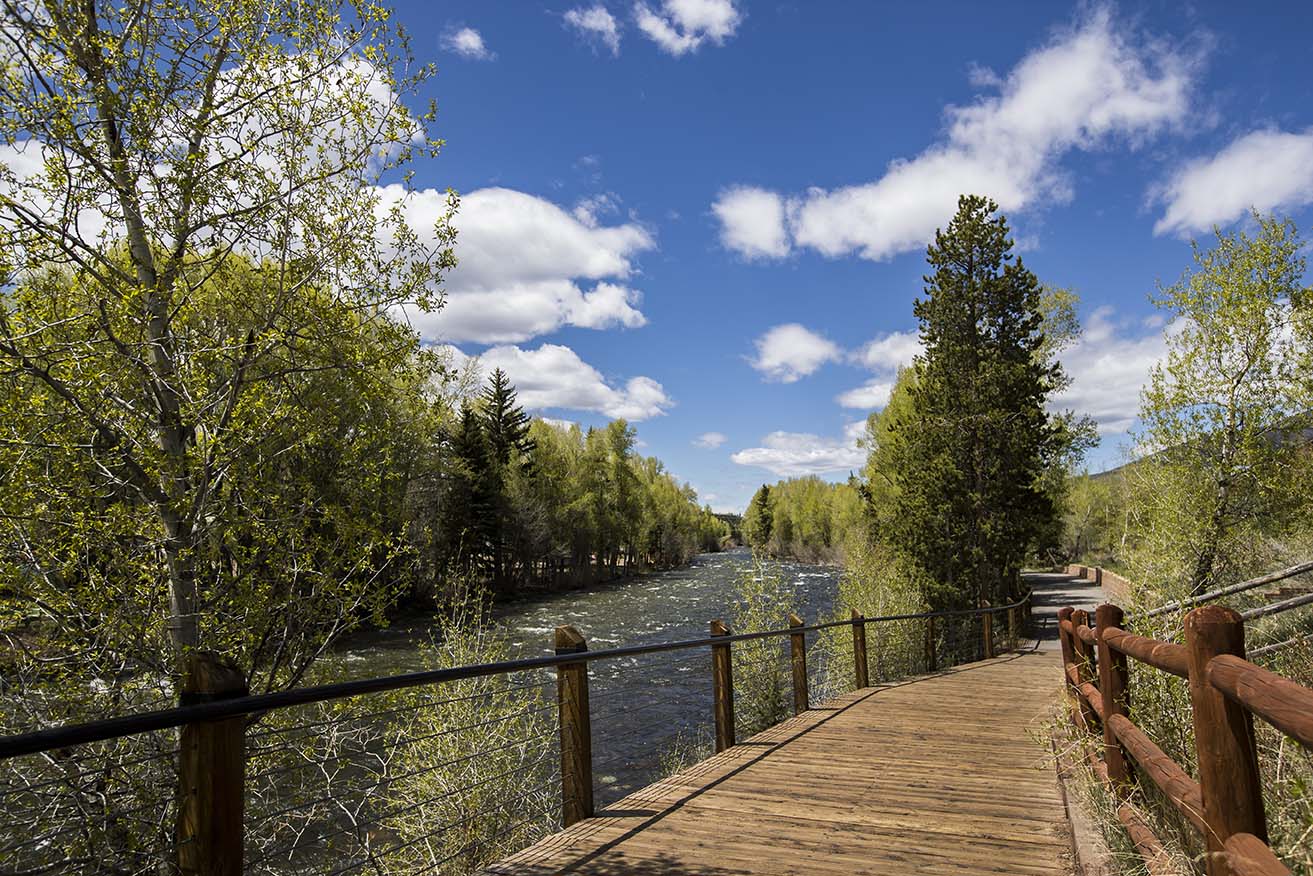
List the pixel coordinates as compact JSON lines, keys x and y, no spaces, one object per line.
{"x":470,"y":518}
{"x":758,"y":520}
{"x":505,"y":422}
{"x":977,"y":440}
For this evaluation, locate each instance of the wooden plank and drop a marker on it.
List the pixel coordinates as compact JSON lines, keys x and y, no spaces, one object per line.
{"x":854,"y":786}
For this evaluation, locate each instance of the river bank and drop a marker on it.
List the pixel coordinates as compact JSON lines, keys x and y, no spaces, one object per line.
{"x":656,"y":606}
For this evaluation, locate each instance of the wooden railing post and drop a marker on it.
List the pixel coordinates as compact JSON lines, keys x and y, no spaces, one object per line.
{"x":1114,"y":677}
{"x":1012,"y":627}
{"x":722,"y":688}
{"x":1084,"y":667}
{"x":861,"y":669}
{"x":211,"y":772}
{"x":1229,"y":780}
{"x":576,"y":729}
{"x":798,"y":653}
{"x":1069,"y":657}
{"x":930,"y":645}
{"x":987,"y":629}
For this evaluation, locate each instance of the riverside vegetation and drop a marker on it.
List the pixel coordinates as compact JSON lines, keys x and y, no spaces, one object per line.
{"x":1216,"y":490}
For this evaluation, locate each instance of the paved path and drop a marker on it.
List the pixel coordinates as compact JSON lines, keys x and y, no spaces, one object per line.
{"x":1053,"y":590}
{"x":937,"y":775}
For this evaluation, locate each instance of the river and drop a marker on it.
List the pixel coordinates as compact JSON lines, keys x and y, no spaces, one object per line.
{"x":646,"y":709}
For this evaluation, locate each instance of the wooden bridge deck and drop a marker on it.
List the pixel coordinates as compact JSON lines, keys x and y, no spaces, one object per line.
{"x":935,"y":775}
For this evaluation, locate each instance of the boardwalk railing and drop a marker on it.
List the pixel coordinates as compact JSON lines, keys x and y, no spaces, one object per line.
{"x":219,"y":733}
{"x":1225,"y":803}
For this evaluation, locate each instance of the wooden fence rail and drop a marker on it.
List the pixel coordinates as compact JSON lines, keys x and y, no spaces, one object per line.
{"x":213,"y":719}
{"x":1225,"y":804}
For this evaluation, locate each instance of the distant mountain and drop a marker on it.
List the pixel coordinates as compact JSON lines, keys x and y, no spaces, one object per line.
{"x":1297,"y":430}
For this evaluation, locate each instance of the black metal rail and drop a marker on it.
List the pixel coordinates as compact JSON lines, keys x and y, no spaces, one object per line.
{"x":164,"y":719}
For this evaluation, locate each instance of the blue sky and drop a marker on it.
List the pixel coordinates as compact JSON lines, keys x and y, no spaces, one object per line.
{"x":710,"y":216}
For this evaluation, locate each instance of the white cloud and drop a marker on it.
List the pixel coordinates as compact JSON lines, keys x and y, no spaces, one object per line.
{"x":682,"y":26}
{"x":883,"y":355}
{"x":1108,"y":369}
{"x":596,"y":23}
{"x":1089,"y":85}
{"x":872,"y":395}
{"x":525,"y":266}
{"x":468,"y":43}
{"x":553,"y":377}
{"x":589,"y":208}
{"x":752,"y":222}
{"x":710,"y":440}
{"x":791,"y":454}
{"x":891,"y":351}
{"x":788,"y":352}
{"x":1263,"y":170}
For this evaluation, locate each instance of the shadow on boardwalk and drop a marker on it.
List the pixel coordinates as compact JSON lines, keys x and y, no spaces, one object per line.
{"x":1053,"y":590}
{"x":936,"y":774}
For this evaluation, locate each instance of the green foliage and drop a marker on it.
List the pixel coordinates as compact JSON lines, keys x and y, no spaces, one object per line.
{"x":567,"y":505}
{"x":971,"y":502}
{"x":175,"y":291}
{"x":282,"y":497}
{"x":475,"y":768}
{"x":887,"y":451}
{"x":1218,"y":490}
{"x":762,"y":674}
{"x":759,"y":518}
{"x":807,"y":519}
{"x":878,"y":581}
{"x":1223,"y":415}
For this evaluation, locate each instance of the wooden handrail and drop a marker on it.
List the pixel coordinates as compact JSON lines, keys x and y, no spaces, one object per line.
{"x":1270,"y":578}
{"x":1277,"y":607}
{"x":1284,"y":704}
{"x":1167,"y":656}
{"x":1146,"y":842}
{"x":1250,"y":856}
{"x":1173,"y":781}
{"x":1225,"y":805}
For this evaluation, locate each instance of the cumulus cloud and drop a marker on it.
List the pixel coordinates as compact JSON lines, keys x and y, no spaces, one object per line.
{"x":710,"y":440}
{"x":1265,"y":170}
{"x":872,"y":395}
{"x":883,"y":355}
{"x":752,"y":222}
{"x":468,"y":43}
{"x":597,"y":24}
{"x":682,"y":26}
{"x":1086,"y":87}
{"x":1109,"y":365}
{"x":553,"y":377}
{"x":889,"y":352}
{"x":788,"y":352}
{"x":793,"y":454}
{"x":528,"y":267}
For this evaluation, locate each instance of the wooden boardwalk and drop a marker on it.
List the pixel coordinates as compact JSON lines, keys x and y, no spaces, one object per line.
{"x":937,"y":775}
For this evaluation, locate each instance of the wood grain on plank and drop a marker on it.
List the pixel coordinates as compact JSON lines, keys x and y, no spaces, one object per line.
{"x":934,"y":775}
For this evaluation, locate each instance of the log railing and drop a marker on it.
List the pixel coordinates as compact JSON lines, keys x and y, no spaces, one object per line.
{"x":1224,"y":803}
{"x":216,"y":719}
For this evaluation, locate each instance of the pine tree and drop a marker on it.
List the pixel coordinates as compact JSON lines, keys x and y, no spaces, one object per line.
{"x":977,"y":438}
{"x":473,"y":497}
{"x":759,"y":517}
{"x":505,"y":423}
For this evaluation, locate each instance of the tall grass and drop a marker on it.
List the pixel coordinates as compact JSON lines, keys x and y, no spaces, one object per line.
{"x":762,"y":673}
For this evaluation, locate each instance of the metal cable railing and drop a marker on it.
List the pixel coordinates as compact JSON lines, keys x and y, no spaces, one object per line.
{"x":436,"y":771}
